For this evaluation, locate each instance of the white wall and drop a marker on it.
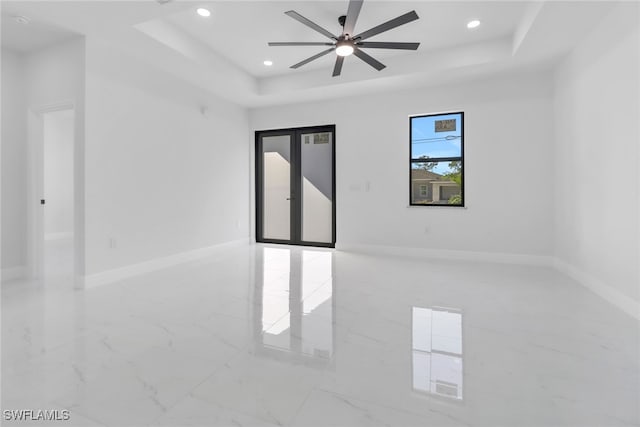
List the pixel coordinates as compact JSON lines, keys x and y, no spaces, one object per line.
{"x":162,"y":176}
{"x":56,"y":74}
{"x":597,"y":94}
{"x":58,"y":174}
{"x":509,"y":166}
{"x":14,"y":160}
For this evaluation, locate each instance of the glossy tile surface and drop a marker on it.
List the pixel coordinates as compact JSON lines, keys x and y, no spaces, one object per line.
{"x":273,"y":335}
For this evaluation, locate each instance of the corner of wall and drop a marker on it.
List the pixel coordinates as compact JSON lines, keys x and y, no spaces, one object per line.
{"x":597,"y":243}
{"x":610,"y":294}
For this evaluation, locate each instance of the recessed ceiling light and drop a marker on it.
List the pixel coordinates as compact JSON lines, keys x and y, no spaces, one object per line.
{"x":203,"y":12}
{"x":473,"y":24}
{"x":268,"y":63}
{"x":21,"y":19}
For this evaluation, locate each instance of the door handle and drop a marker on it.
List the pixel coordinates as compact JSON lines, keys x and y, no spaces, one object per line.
{"x":291,"y":198}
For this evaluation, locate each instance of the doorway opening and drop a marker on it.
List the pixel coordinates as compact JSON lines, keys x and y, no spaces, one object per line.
{"x":52,"y":192}
{"x":295,"y":186}
{"x":58,"y":196}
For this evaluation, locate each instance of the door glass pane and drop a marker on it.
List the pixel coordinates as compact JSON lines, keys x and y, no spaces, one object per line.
{"x":276,"y":181}
{"x":317,"y":187}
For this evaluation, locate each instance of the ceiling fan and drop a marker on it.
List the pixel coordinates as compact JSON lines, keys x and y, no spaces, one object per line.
{"x":347,"y":43}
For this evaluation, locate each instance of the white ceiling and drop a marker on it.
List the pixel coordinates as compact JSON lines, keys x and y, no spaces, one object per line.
{"x":232,"y":44}
{"x":30,"y":37}
{"x":240,"y":30}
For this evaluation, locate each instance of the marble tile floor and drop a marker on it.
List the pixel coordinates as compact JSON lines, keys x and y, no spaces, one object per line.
{"x":286,"y":336}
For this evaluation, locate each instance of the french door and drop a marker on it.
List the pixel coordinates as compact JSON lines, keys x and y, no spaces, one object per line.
{"x":295,"y":186}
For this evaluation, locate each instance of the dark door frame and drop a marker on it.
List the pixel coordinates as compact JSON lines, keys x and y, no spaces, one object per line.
{"x":296,"y":184}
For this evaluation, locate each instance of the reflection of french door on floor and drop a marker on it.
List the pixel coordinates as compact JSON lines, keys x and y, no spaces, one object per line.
{"x":295,"y":186}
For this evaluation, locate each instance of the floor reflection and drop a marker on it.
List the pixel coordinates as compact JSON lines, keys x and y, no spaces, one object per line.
{"x":437,"y":351}
{"x":294,"y":310}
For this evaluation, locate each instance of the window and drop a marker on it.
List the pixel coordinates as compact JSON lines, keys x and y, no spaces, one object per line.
{"x":437,"y":160}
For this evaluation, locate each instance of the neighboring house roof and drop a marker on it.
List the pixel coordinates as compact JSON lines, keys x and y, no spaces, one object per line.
{"x":424,"y":174}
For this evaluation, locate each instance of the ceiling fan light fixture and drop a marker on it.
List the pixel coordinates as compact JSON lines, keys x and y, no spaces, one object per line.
{"x":344,"y":48}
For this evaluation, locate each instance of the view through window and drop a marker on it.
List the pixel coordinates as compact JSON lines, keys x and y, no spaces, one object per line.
{"x":437,"y":160}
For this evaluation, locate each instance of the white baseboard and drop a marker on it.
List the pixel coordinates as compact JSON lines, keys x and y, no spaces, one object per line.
{"x":423,"y":253}
{"x":615,"y":297}
{"x":117,"y":274}
{"x":621,"y":301}
{"x":58,"y":236}
{"x":12,"y":273}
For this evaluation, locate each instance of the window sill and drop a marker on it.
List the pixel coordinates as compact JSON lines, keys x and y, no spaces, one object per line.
{"x":436,"y":206}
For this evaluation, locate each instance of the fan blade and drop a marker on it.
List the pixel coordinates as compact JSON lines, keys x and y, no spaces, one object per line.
{"x":313,"y":58}
{"x":352,"y":16}
{"x":295,"y":15}
{"x":300,"y":44}
{"x":338,"y":67}
{"x":389,"y":25}
{"x":388,"y":45}
{"x":369,"y":59}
